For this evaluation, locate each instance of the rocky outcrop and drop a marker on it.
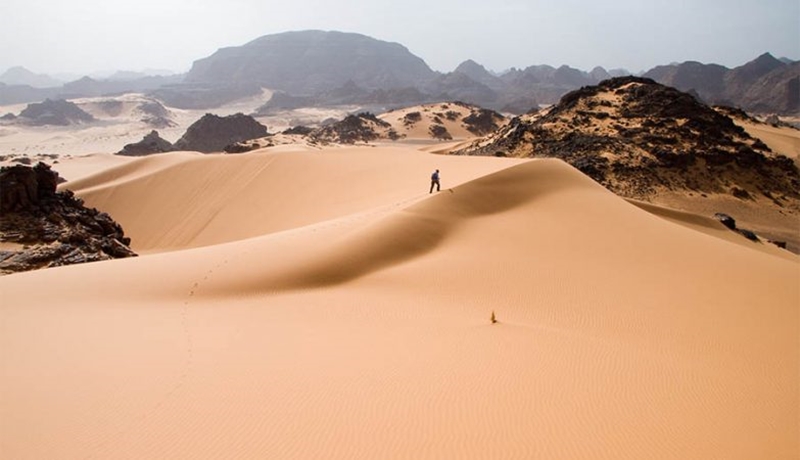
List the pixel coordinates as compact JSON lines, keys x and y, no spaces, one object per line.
{"x":481,"y":122}
{"x":40,"y":227}
{"x":22,"y":187}
{"x":363,"y":127}
{"x":213,"y":133}
{"x":54,"y":112}
{"x":640,"y":138}
{"x":730,"y":223}
{"x":150,"y":144}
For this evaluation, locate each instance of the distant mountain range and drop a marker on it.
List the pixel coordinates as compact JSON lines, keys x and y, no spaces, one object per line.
{"x":334,"y":68}
{"x":23,"y":76}
{"x":765,"y":84}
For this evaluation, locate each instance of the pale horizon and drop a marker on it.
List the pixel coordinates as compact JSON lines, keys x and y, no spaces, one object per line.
{"x":89,"y":37}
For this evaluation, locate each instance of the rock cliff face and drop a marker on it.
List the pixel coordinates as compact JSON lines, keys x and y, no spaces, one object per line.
{"x":40,"y":227}
{"x":213,"y":133}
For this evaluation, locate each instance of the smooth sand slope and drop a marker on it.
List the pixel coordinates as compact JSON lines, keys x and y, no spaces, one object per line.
{"x":358,"y":326}
{"x":181,"y":200}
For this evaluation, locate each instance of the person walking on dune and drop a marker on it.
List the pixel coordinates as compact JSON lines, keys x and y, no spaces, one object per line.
{"x":435,"y":181}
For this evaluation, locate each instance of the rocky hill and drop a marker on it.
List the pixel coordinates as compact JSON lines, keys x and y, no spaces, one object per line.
{"x":443,"y":121}
{"x":640,"y":138}
{"x":53,"y":112}
{"x":40,"y":227}
{"x":362,"y":127}
{"x":213,"y":133}
{"x":150,"y":144}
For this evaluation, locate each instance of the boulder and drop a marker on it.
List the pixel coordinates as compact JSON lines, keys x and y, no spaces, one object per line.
{"x":726,"y":220}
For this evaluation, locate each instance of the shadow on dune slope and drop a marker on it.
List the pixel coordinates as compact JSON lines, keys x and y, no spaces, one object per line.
{"x":421,"y":228}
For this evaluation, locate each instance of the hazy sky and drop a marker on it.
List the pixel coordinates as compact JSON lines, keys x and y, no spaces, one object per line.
{"x":84,"y":36}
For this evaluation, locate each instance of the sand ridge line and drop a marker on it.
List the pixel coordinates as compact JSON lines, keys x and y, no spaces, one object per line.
{"x":332,"y":231}
{"x":165,"y":210}
{"x":413,"y":231}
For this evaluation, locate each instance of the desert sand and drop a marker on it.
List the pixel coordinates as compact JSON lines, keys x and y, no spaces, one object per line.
{"x":300,"y":303}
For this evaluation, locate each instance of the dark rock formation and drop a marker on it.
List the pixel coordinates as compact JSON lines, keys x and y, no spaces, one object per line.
{"x":22,"y":186}
{"x":150,"y":144}
{"x":639,"y":138}
{"x":440,"y":132}
{"x":54,"y":112}
{"x":51,"y":228}
{"x":726,"y":220}
{"x":482,"y":121}
{"x":213,"y":133}
{"x":299,"y":130}
{"x":730,"y":223}
{"x":363,"y":127}
{"x":242,"y":147}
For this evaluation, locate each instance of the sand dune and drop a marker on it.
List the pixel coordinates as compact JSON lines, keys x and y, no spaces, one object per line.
{"x":783,"y":140}
{"x":324,"y":305}
{"x":184,"y":200}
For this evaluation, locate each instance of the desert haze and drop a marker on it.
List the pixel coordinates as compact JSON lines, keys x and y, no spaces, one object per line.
{"x":303,"y":303}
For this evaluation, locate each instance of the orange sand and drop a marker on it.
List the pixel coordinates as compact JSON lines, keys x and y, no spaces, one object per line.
{"x":322,"y":304}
